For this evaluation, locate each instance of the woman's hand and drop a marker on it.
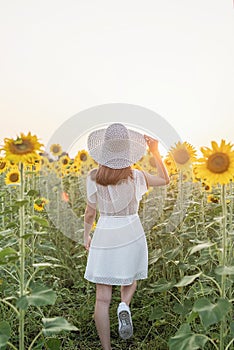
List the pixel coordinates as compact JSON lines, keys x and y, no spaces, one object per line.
{"x":152,"y":144}
{"x":87,"y":243}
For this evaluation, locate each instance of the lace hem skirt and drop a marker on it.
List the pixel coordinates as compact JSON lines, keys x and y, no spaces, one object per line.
{"x":118,"y":253}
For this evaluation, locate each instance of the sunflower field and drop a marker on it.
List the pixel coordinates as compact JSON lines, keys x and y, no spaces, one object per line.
{"x":187,"y":301}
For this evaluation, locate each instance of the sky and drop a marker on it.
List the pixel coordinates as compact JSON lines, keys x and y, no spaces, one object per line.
{"x":61,"y":57}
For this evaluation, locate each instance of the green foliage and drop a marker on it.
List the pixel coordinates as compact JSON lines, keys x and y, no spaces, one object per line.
{"x":185,"y":339}
{"x":211,"y":313}
{"x":186,"y":280}
{"x":56,"y":325}
{"x":53,"y":344}
{"x":5,"y":333}
{"x":186,"y":302}
{"x":39,"y":296}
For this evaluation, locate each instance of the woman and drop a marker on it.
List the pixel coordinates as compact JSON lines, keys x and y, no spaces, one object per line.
{"x":118,"y":252}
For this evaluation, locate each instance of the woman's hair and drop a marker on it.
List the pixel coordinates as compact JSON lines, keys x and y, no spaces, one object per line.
{"x":107,"y":176}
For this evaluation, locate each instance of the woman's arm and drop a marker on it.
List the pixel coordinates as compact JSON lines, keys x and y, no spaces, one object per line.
{"x":89,"y":217}
{"x":162,"y":177}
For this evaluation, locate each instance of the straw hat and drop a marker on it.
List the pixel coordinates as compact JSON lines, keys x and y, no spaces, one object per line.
{"x":116,"y":147}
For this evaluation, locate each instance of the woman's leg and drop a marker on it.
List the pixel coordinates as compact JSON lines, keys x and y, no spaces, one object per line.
{"x":103,"y":299}
{"x":127,"y":292}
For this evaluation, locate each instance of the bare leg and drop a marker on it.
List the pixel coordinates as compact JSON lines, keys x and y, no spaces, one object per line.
{"x":103,"y":299}
{"x":127,"y":292}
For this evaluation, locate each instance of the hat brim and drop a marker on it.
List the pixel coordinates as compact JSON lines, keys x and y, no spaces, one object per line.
{"x":116,"y":154}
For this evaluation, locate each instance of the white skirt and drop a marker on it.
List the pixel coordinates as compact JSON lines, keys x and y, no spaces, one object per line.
{"x":118,"y":253}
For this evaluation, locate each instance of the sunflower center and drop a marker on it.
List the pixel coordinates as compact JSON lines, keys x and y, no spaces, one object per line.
{"x":168,"y":162}
{"x":14,"y":177}
{"x":56,"y":149}
{"x":218,"y":162}
{"x":181,"y":156}
{"x":21,"y":147}
{"x":83,"y":157}
{"x":2,"y":165}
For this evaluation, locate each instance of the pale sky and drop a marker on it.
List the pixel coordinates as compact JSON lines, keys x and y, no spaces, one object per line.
{"x":175,"y":57}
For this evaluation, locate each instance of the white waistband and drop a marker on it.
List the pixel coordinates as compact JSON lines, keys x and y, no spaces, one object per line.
{"x":119,"y":216}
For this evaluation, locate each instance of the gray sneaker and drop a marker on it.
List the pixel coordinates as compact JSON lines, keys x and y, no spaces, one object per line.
{"x":125,"y":321}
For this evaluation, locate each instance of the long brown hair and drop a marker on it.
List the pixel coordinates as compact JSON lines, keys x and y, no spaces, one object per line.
{"x":106,"y":176}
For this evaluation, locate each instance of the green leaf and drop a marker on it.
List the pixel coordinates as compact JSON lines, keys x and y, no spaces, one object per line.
{"x":32,"y":193}
{"x":187,"y":280}
{"x":39,"y":220}
{"x":183,"y":308}
{"x":154,"y":256}
{"x":5,"y":333}
{"x":20,"y":203}
{"x":53,"y":344}
{"x":56,"y":325}
{"x":11,"y":225}
{"x":185,"y":339}
{"x":199,"y":247}
{"x":5,"y":232}
{"x":28,"y":235}
{"x":232,"y":328}
{"x":211,"y":313}
{"x":172,"y":254}
{"x":162,"y":285}
{"x":45,"y":264}
{"x":40,"y":296}
{"x":7,"y":252}
{"x":224,"y":270}
{"x":156,"y":314}
{"x":22,"y":302}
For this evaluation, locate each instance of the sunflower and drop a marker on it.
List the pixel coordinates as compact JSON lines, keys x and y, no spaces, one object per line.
{"x":39,"y":203}
{"x":33,"y":166}
{"x":147,"y":163}
{"x":66,"y":172}
{"x":187,"y":176}
{"x":136,"y":166}
{"x":181,"y":156}
{"x":55,"y":168}
{"x":84,"y":162}
{"x":4,"y":164}
{"x":22,"y":149}
{"x":65,"y":161}
{"x":75,"y":168}
{"x":12,"y":177}
{"x":82,"y":156}
{"x":206,"y":186}
{"x":217,"y":164}
{"x":46,"y":165}
{"x":91,"y":164}
{"x":170,"y":165}
{"x":37,"y":165}
{"x":56,"y":149}
{"x":212,"y":199}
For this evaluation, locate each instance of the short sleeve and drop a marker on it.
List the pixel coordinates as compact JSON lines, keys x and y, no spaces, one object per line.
{"x":141,"y":185}
{"x":91,"y":190}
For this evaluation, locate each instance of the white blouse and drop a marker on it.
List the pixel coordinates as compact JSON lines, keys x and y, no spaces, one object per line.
{"x":117,"y":200}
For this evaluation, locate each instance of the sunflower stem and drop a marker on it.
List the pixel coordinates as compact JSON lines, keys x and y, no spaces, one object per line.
{"x":21,"y":257}
{"x":231,"y":206}
{"x":223,"y":259}
{"x":34,"y":340}
{"x":32,"y":187}
{"x":181,"y":196}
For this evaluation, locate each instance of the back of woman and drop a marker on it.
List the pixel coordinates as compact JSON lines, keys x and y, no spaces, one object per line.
{"x":118,"y":253}
{"x":118,"y":199}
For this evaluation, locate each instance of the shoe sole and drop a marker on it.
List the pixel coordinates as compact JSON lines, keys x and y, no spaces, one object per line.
{"x":125,"y":330}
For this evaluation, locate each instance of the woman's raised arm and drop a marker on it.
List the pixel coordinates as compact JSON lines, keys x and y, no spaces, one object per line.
{"x":162,"y":177}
